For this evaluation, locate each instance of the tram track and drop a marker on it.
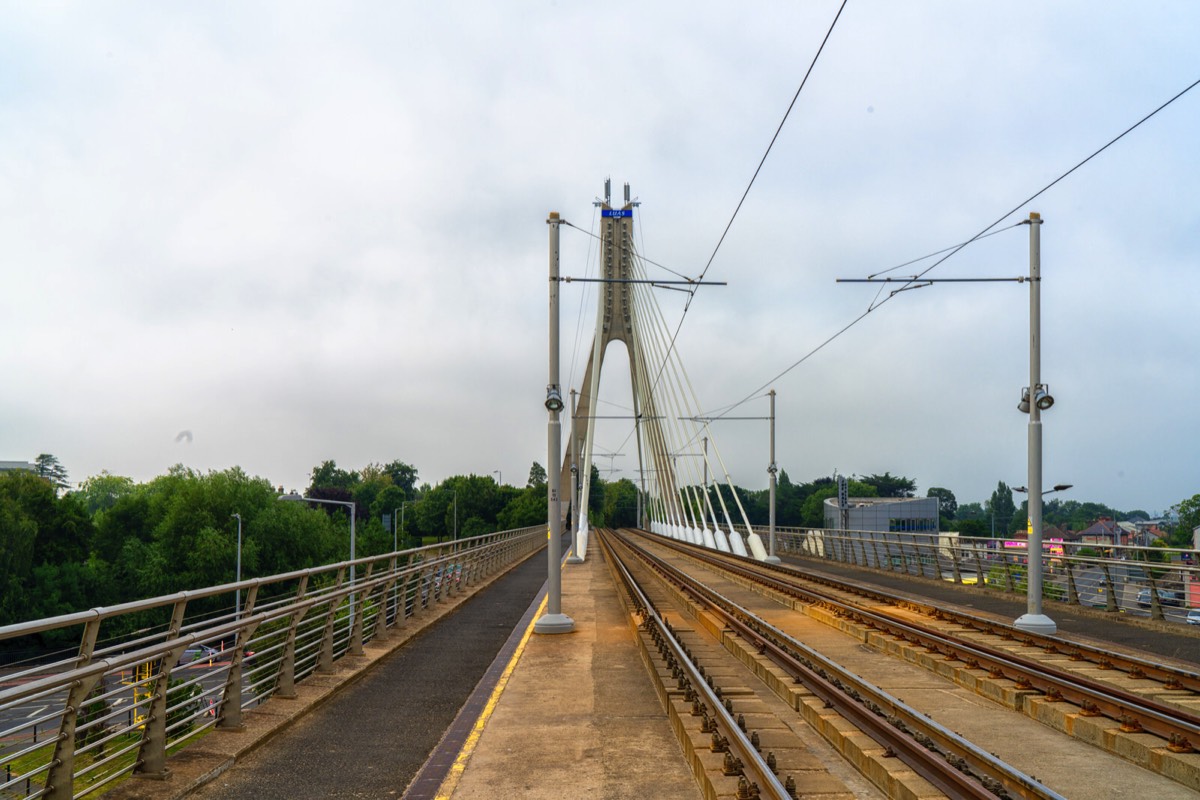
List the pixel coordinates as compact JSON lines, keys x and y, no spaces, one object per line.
{"x":946,"y":761}
{"x":1144,"y":716}
{"x":1161,"y":700}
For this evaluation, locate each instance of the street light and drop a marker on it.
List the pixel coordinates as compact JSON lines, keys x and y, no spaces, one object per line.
{"x":237,"y":602}
{"x":499,"y":477}
{"x":296,"y":497}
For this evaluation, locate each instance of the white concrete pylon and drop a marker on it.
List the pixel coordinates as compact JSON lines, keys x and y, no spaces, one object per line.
{"x":721,"y":540}
{"x":707,"y":538}
{"x":737,"y":544}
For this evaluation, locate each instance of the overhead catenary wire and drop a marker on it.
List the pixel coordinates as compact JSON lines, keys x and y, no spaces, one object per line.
{"x":954,"y":250}
{"x":757,"y":170}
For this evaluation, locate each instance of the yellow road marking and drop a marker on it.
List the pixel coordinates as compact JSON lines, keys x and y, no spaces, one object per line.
{"x":460,"y":763}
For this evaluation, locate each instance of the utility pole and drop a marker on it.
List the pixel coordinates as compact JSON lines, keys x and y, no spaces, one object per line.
{"x":1033,"y":620}
{"x":554,"y":621}
{"x":771,"y":470}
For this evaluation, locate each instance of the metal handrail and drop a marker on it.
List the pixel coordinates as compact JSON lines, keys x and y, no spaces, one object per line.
{"x":1071,"y":573}
{"x":301,"y":626}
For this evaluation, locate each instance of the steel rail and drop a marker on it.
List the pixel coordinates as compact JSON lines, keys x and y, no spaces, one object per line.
{"x":1136,"y":667}
{"x":1135,"y":712}
{"x":727,"y":726}
{"x":953,"y":764}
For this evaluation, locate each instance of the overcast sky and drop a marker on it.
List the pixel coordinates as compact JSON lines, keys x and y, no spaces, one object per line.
{"x":310,"y":231}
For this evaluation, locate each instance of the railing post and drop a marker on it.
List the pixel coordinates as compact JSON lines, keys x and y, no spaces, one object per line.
{"x":1156,"y":611}
{"x":954,"y":560}
{"x":981,"y":578}
{"x":1072,"y":591}
{"x":387,"y":597}
{"x":60,"y":783}
{"x":356,"y":630}
{"x":1110,"y":602}
{"x":229,"y":714}
{"x":325,"y":658}
{"x":152,"y":755}
{"x":285,"y":687}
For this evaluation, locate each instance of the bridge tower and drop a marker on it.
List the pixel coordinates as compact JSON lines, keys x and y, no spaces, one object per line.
{"x":614,"y":322}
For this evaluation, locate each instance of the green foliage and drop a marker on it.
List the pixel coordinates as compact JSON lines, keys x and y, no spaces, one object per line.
{"x":971,"y":527}
{"x":947,"y":504}
{"x":404,"y":477}
{"x":1001,"y":510}
{"x":101,"y":492}
{"x":1188,"y":512}
{"x":812,"y":514}
{"x":329,"y":476}
{"x":596,"y":495}
{"x":48,"y":468}
{"x":528,"y":507}
{"x":620,"y":504}
{"x":888,"y":485}
{"x":537,"y":477}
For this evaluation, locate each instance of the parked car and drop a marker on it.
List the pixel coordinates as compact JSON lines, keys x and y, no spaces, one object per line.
{"x":1193,"y":616}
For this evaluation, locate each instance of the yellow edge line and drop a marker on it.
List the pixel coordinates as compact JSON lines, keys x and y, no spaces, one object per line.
{"x":460,"y":763}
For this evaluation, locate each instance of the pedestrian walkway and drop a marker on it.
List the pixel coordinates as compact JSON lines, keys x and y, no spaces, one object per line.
{"x":575,"y":714}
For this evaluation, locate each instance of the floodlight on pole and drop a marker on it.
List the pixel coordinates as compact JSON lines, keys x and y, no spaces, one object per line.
{"x":296,"y":497}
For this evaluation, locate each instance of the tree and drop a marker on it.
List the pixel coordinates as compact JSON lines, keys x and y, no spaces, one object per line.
{"x":620,"y":504}
{"x":947,"y":505}
{"x":1000,"y":508}
{"x":528,"y":508}
{"x":595,"y":493}
{"x":330,"y":476}
{"x":101,"y":492}
{"x":1188,"y":512}
{"x":403,"y":475}
{"x":537,"y":476}
{"x":47,"y":466}
{"x":967,"y":511}
{"x":889,"y":485}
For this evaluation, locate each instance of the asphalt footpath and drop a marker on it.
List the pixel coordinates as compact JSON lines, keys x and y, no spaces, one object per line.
{"x":371,"y":738}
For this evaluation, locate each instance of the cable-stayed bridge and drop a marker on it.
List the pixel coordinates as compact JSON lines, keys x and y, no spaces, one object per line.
{"x":674,"y":498}
{"x":866,"y":664}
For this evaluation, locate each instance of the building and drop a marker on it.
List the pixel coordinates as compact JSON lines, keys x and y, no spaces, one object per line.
{"x":894,"y":514}
{"x":9,"y":466}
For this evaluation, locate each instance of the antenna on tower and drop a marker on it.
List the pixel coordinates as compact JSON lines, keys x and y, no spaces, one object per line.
{"x":608,"y":190}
